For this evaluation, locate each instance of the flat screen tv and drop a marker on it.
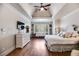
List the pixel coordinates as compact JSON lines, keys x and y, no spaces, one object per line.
{"x":20,"y":24}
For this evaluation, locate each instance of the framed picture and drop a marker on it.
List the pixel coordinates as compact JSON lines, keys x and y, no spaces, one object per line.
{"x":27,"y":29}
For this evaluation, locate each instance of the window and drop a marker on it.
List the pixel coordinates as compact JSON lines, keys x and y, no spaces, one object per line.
{"x":41,"y":28}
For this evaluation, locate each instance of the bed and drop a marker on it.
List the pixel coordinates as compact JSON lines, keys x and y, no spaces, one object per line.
{"x":60,"y":44}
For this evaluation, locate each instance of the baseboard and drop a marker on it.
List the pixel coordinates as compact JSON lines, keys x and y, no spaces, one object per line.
{"x":7,"y":51}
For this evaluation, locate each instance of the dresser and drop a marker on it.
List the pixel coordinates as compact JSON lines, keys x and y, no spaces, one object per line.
{"x":22,"y":39}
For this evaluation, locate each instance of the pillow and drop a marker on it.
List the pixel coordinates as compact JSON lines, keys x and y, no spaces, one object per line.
{"x":60,"y":34}
{"x":74,"y":34}
{"x":68,"y":34}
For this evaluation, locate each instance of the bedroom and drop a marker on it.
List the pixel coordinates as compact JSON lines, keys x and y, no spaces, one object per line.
{"x":55,"y":21}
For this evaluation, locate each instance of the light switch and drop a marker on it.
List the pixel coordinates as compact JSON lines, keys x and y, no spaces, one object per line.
{"x":2,"y":31}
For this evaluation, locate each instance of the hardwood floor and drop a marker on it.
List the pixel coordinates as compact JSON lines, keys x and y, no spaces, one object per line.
{"x":36,"y":47}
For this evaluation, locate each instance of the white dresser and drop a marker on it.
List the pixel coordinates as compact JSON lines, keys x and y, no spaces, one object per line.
{"x":22,"y":39}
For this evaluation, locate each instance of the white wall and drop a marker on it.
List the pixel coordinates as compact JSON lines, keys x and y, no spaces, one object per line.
{"x":70,"y":19}
{"x":25,"y":20}
{"x":56,"y":7}
{"x":8,"y":26}
{"x":28,"y":8}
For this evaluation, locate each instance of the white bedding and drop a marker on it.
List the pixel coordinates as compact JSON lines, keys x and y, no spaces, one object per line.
{"x":52,"y":37}
{"x":52,"y":40}
{"x":60,"y":40}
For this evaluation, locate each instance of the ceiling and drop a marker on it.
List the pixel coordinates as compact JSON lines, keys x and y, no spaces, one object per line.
{"x":52,"y":10}
{"x":34,"y":12}
{"x":57,"y":10}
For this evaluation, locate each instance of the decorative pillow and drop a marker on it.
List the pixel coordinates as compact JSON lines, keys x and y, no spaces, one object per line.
{"x":60,"y":34}
{"x":68,"y":35}
{"x":75,"y":34}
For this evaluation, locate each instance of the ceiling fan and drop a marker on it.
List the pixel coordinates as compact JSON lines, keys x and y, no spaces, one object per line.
{"x":43,"y":7}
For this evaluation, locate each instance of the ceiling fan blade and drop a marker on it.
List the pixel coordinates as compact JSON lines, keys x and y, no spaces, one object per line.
{"x":45,"y":8}
{"x":47,"y":5}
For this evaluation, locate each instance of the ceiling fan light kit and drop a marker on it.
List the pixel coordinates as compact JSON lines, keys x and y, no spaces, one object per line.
{"x":43,"y":7}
